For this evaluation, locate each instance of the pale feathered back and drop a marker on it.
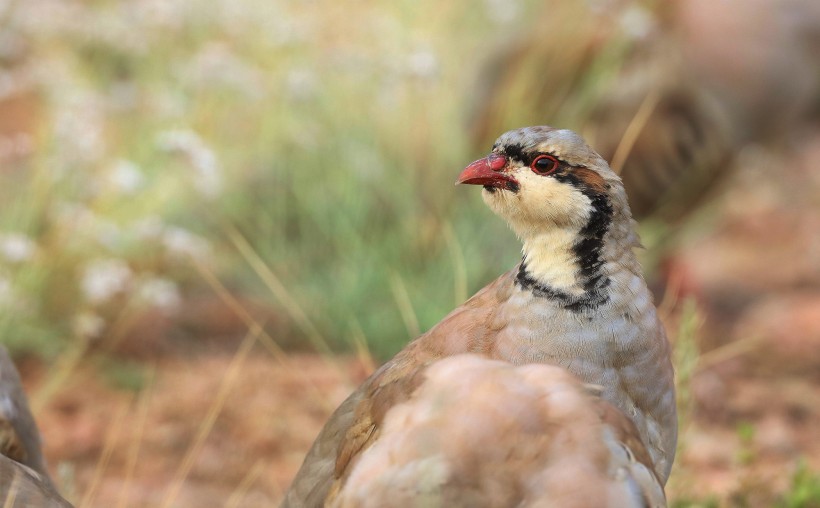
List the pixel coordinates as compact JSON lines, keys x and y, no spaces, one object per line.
{"x":483,"y":433}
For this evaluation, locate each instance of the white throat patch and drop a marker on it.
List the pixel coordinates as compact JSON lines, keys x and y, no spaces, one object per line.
{"x":552,"y":262}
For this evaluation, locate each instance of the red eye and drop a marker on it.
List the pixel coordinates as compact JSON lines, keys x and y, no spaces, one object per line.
{"x":544,"y":164}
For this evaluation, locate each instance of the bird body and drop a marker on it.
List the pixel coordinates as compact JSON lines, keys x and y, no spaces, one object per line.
{"x":22,"y":486}
{"x":577,"y":301}
{"x":443,"y":445}
{"x":19,"y":437}
{"x":24,"y":479}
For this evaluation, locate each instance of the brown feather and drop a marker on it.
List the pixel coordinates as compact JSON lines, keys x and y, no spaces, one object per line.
{"x":478,"y":432}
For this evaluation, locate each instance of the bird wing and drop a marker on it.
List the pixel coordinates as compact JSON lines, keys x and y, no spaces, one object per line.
{"x":357,"y":421}
{"x":19,"y":436}
{"x":22,"y":486}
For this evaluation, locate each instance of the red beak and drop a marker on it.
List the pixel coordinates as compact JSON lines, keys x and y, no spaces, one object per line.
{"x":488,"y":172}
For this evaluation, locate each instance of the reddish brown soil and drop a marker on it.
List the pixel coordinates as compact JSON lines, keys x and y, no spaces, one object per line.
{"x":272,"y":413}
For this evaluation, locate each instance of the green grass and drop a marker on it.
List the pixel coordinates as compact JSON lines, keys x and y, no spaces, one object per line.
{"x":804,"y":491}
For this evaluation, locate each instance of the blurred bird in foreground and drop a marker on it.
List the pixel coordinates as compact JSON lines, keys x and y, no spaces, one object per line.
{"x":24,"y":479}
{"x":479,"y":431}
{"x":668,"y":92}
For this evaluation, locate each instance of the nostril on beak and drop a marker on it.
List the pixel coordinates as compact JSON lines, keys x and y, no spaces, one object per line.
{"x":496,"y":162}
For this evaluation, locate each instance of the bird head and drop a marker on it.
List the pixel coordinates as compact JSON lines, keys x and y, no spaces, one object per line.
{"x":564,"y":202}
{"x":540,"y":178}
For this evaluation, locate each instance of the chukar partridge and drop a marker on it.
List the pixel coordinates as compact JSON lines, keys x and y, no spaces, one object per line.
{"x":24,"y":479}
{"x":577,"y":301}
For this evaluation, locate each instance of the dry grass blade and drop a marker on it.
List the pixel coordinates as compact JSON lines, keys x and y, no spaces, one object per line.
{"x":670,"y":295}
{"x":729,"y":351}
{"x":207,"y":424}
{"x":633,"y":130}
{"x":459,"y":264}
{"x":278,"y":353}
{"x":408,"y":315}
{"x":65,"y":365}
{"x":105,"y":456}
{"x":278,"y":289}
{"x":133,"y":450}
{"x":11,"y":495}
{"x":242,"y":489}
{"x":362,"y":351}
{"x":239,"y":310}
{"x":686,"y":355}
{"x":688,"y":361}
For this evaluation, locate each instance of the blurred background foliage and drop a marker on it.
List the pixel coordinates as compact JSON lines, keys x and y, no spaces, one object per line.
{"x":144,"y":135}
{"x":326,"y":135}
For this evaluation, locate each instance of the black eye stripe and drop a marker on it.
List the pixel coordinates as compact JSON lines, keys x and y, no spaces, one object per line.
{"x":518,"y":153}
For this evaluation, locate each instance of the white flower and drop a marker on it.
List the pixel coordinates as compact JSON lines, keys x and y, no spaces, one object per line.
{"x":636,"y":22}
{"x":182,"y":243}
{"x":166,"y":104}
{"x":126,"y":177}
{"x":105,"y":278}
{"x":423,"y":64}
{"x":79,"y":124}
{"x":147,"y":228}
{"x":160,"y":293}
{"x":88,"y":325}
{"x":16,"y":247}
{"x":74,"y":215}
{"x":502,"y":12}
{"x":301,"y":84}
{"x":216,"y":65}
{"x":108,"y":233}
{"x":207,"y":174}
